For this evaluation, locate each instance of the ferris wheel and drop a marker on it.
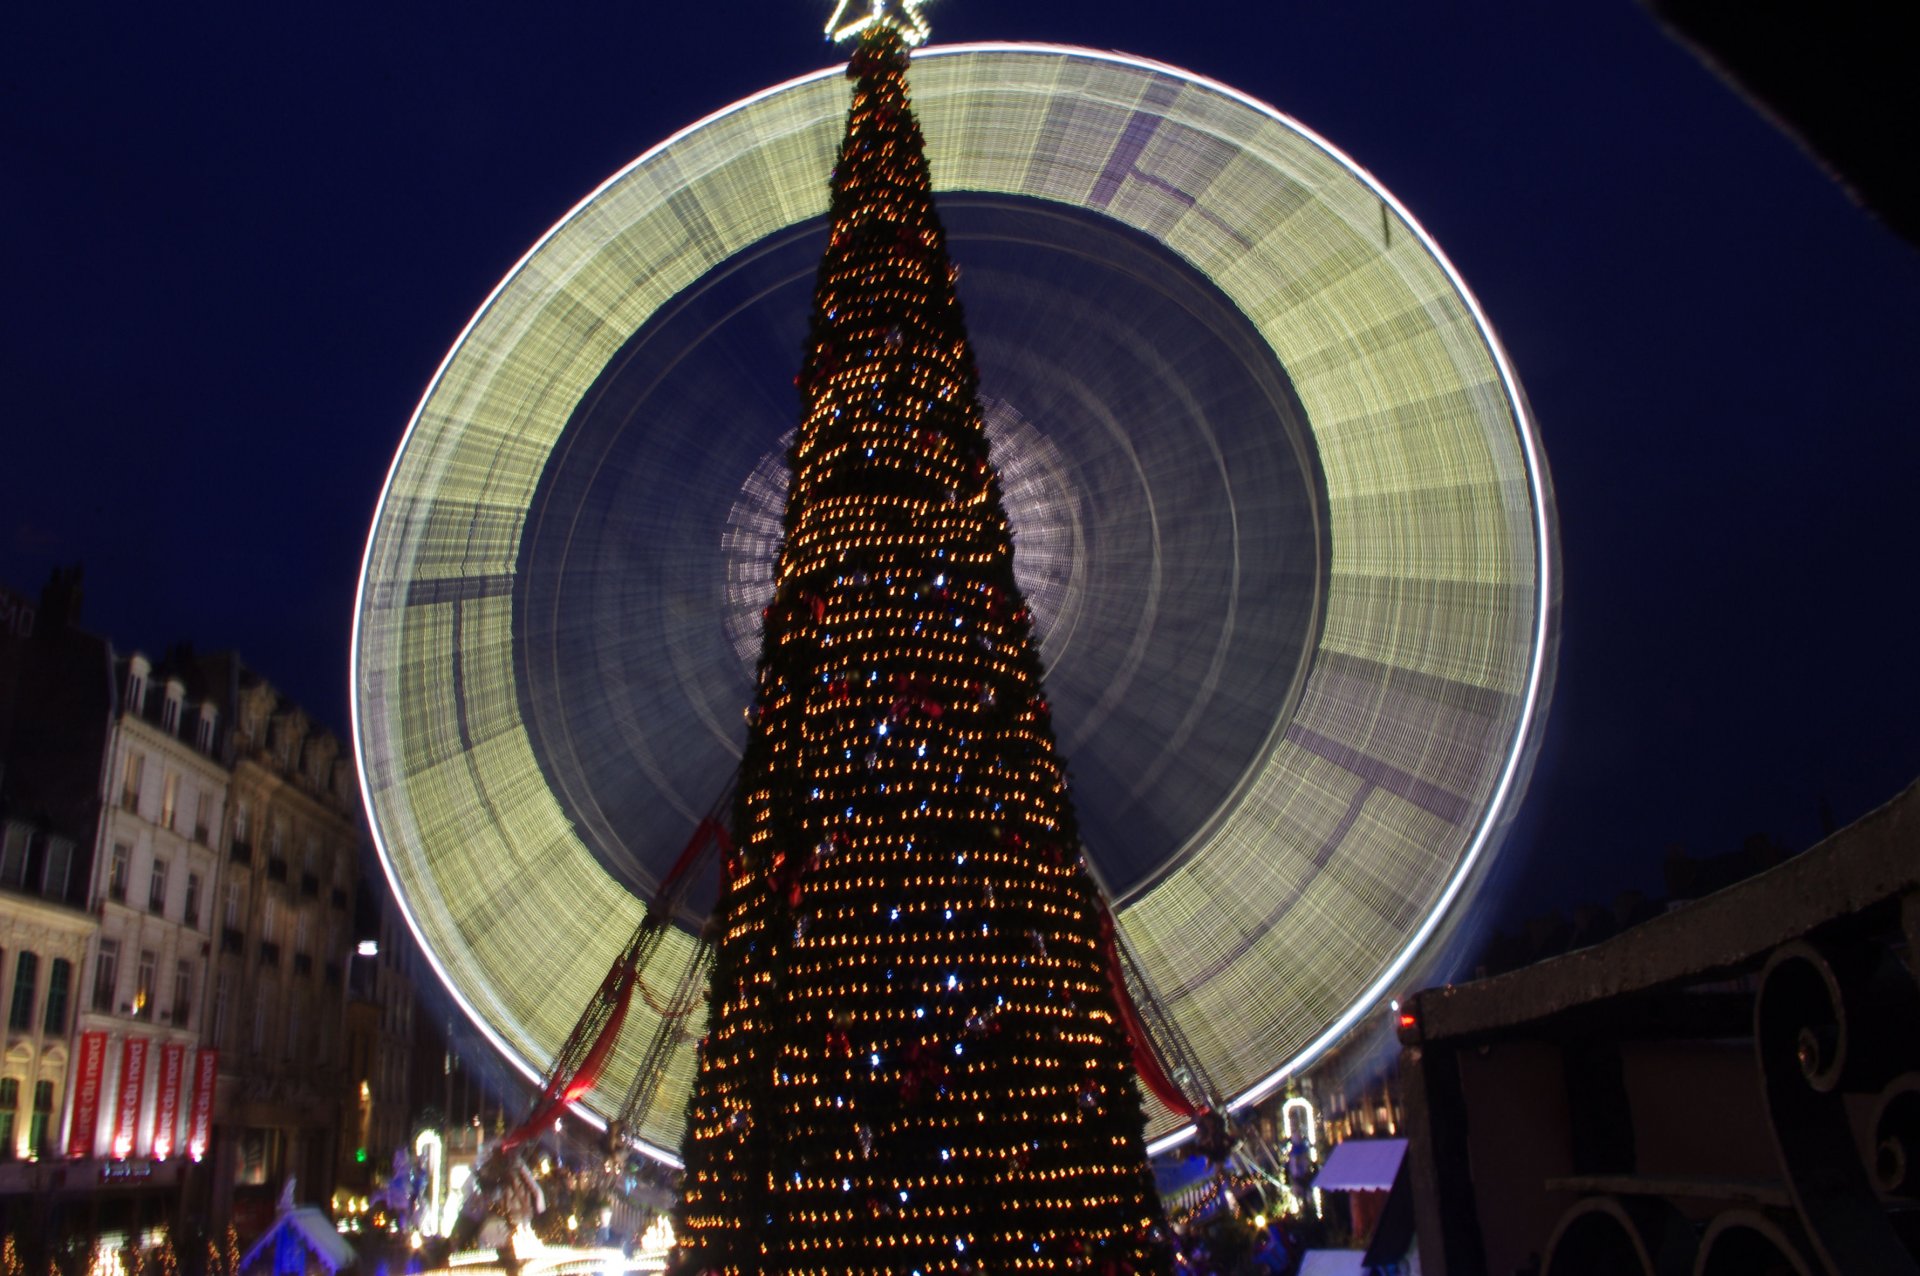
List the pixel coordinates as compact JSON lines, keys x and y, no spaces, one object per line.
{"x":1279,"y":509}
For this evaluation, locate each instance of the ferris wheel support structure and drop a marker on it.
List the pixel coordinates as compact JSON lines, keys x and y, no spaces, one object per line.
{"x":576,"y":1068}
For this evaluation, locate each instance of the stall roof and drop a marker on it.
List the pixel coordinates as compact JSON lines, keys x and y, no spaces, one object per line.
{"x":316,"y":1234}
{"x":1362,"y":1165}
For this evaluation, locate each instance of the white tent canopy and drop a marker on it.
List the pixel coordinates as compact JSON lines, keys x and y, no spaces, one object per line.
{"x":1362,"y":1165}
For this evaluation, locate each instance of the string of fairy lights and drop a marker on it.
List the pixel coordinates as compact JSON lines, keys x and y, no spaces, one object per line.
{"x":913,"y":1061}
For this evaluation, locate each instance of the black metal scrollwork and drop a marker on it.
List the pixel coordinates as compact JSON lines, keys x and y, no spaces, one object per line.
{"x":1829,"y":1024}
{"x":1744,"y":1242}
{"x":1615,"y":1236}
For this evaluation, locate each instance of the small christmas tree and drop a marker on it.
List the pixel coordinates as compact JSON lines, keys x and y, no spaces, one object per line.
{"x":913,"y":1061}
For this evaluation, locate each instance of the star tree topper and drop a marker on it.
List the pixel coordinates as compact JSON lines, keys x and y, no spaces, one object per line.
{"x":851,"y":17}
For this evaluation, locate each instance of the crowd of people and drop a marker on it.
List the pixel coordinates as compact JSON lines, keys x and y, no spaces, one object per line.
{"x":1229,"y":1243}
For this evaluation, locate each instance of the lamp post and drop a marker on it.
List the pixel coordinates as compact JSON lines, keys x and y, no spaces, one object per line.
{"x":362,"y":1086}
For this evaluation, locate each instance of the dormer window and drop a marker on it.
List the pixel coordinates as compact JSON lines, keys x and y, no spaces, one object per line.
{"x":137,"y":670}
{"x":203,"y":735}
{"x":170,"y":713}
{"x":13,"y":853}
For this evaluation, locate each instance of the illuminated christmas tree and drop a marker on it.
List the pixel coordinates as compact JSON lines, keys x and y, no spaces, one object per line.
{"x":914,"y":1061}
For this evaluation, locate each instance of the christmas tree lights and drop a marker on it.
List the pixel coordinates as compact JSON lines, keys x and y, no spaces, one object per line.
{"x":913,"y":1060}
{"x":854,"y":18}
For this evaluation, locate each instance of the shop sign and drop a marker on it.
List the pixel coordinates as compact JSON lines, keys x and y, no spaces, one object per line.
{"x":166,"y":1108}
{"x":206,"y":1066}
{"x":133,"y":1085}
{"x":89,"y":1065}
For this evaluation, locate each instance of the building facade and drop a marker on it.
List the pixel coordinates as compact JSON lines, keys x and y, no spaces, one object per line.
{"x":56,"y":703}
{"x":285,"y":936}
{"x":155,"y":867}
{"x":43,"y":945}
{"x":181,"y":850}
{"x":97,"y":1054}
{"x":47,"y":818}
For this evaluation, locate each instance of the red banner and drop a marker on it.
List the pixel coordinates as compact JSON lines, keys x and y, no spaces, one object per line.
{"x":133,"y":1084}
{"x":87,"y":1067}
{"x":206,"y":1066}
{"x":166,"y":1104}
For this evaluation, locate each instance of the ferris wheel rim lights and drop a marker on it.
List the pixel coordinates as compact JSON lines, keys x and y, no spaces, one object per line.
{"x":370,"y":737}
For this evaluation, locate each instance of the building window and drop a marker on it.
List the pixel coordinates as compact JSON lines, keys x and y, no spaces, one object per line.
{"x":13,"y":854}
{"x":240,"y":821}
{"x":143,"y":985}
{"x":230,"y":918}
{"x":310,"y":868}
{"x":170,"y":799}
{"x":9,"y":1110}
{"x":182,"y":992}
{"x":106,"y":975}
{"x":191,"y":914}
{"x":130,"y":787}
{"x":222,"y":1009}
{"x":203,"y":738}
{"x":26,"y":990}
{"x":39,"y":1132}
{"x":59,"y":984}
{"x":53,"y":882}
{"x":202,"y":817}
{"x":170,"y":712}
{"x":117,"y":870}
{"x":136,"y":685}
{"x":157,"y":887}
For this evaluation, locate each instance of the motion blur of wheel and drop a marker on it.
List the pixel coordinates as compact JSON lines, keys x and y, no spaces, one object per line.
{"x":1278,"y":507}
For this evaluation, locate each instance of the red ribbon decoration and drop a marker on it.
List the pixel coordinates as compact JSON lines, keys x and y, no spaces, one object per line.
{"x":1145,"y":1060}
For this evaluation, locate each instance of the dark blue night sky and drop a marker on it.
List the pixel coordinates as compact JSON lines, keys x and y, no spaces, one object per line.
{"x":240,"y":238}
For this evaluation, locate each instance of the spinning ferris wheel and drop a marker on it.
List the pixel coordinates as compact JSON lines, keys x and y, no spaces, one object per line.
{"x":1278,"y":504}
